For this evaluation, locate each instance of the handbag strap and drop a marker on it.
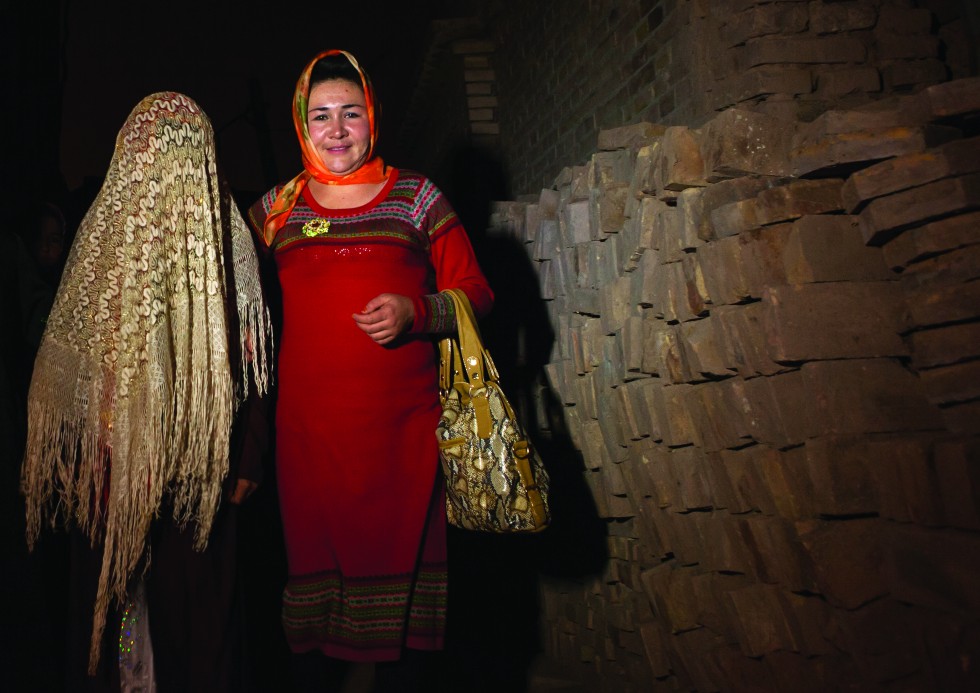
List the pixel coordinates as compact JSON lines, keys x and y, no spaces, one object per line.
{"x":461,"y":360}
{"x":465,"y":364}
{"x":448,"y":355}
{"x":470,"y":344}
{"x":468,"y":356}
{"x":474,"y":363}
{"x":450,"y":361}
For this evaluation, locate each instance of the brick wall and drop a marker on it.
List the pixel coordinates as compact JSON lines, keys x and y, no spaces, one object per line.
{"x":436,"y":121}
{"x":748,"y":347}
{"x":564,"y":74}
{"x":561,"y":72}
{"x":568,"y":70}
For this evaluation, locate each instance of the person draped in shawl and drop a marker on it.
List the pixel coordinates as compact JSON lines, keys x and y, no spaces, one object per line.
{"x":362,"y":251}
{"x":158,"y":332}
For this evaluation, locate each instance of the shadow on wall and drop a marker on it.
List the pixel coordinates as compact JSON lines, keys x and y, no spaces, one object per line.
{"x":494,"y":607}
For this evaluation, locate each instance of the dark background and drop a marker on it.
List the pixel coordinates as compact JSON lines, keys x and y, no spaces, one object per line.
{"x":74,"y":70}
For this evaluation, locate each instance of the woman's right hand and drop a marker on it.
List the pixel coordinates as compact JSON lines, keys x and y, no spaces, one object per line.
{"x":385,"y":317}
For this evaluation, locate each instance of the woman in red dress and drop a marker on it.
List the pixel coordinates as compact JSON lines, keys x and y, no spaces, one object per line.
{"x":362,"y":251}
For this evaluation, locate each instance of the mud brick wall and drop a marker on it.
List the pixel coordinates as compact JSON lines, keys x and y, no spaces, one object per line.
{"x":566,"y":71}
{"x":767,"y":357}
{"x":454,"y":70}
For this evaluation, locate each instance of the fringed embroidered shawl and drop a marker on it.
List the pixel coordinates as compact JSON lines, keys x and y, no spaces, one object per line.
{"x":158,"y":323}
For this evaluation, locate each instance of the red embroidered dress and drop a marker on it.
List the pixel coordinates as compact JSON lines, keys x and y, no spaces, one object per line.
{"x":357,"y":461}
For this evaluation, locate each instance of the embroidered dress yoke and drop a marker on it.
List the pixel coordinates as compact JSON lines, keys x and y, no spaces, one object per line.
{"x":357,"y":460}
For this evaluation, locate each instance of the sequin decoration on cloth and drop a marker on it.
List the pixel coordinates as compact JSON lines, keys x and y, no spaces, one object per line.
{"x":144,"y":359}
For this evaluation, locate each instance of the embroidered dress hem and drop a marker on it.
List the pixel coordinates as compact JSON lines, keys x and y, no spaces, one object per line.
{"x":365,"y":619}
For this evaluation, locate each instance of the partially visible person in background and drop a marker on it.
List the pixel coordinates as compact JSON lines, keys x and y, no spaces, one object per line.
{"x":35,"y":257}
{"x":146,"y":383}
{"x":47,"y":240}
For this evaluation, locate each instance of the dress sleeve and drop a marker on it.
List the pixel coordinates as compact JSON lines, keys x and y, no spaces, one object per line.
{"x":453,"y":259}
{"x":456,"y":267}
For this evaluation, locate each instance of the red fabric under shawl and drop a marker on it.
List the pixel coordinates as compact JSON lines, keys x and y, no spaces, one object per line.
{"x":357,"y":458}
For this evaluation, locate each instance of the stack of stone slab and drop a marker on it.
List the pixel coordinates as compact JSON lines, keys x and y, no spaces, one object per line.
{"x":768,"y":359}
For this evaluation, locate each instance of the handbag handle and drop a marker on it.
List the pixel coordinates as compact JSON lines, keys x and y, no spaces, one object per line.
{"x":464,"y":363}
{"x":461,"y":358}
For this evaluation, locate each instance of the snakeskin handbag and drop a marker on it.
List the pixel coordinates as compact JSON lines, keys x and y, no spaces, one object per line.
{"x":495,"y":480}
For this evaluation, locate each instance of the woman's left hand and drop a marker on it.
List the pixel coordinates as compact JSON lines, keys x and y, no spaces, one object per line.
{"x":386,"y":316}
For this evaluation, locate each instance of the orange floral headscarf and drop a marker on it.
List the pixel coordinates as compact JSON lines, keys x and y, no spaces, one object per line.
{"x":373,"y":170}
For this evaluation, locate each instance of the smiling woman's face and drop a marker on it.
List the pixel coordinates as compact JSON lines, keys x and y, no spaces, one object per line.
{"x":338,"y":124}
